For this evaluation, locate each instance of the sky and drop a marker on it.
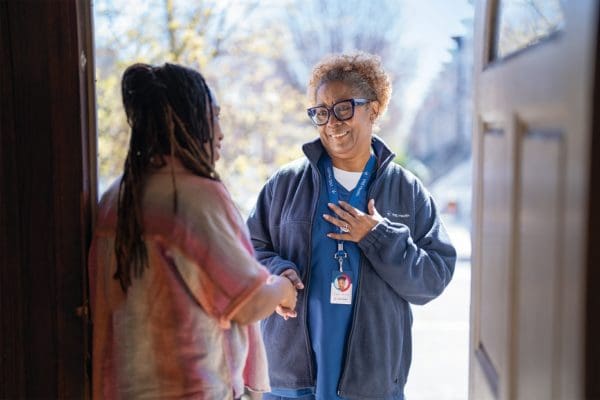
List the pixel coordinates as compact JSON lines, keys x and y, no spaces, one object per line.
{"x":430,"y":26}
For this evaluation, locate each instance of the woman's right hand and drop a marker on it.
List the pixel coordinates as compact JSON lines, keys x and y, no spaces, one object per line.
{"x":278,"y":293}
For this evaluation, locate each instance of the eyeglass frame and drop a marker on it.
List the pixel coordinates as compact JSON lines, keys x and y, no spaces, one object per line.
{"x":330,"y":110}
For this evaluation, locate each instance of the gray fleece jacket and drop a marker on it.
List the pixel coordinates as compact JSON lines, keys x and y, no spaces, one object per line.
{"x":407,"y":258}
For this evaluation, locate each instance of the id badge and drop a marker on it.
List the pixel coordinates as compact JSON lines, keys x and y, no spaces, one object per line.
{"x":341,"y":287}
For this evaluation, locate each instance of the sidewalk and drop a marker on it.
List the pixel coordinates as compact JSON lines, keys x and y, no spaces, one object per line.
{"x":441,"y":343}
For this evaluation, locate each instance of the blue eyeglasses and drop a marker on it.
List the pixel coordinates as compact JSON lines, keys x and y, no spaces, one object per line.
{"x":343,"y":111}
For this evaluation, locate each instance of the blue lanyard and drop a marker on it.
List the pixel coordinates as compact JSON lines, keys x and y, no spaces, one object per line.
{"x":355,"y":197}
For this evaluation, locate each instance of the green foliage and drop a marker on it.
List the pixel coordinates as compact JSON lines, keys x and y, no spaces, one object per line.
{"x":260,"y":112}
{"x":247,"y":61}
{"x":113,"y":133}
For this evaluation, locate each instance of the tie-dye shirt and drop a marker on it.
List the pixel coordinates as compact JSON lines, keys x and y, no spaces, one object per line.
{"x":171,"y":336}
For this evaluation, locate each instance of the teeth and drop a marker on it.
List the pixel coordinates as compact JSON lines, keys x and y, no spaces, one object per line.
{"x":339,"y":135}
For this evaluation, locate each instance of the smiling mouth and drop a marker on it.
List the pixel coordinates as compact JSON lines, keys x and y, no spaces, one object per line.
{"x":338,"y":135}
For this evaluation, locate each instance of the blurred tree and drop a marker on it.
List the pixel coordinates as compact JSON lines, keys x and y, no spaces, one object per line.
{"x":316,"y":28}
{"x":262,"y":114}
{"x":248,"y":58}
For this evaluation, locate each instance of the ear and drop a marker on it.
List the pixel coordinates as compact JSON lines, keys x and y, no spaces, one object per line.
{"x":374,"y":110}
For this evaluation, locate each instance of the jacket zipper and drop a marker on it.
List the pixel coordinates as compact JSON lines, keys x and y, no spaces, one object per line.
{"x":308,"y":270}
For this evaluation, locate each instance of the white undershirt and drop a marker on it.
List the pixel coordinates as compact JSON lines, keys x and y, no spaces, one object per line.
{"x":346,"y":178}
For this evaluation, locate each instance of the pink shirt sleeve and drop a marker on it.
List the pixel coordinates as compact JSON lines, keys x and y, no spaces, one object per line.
{"x":209,"y":245}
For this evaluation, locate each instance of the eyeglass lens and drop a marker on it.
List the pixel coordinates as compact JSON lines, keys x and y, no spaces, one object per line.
{"x":343,"y":111}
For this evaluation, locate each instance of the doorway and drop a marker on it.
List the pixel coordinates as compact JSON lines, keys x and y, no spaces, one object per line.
{"x":258,"y":66}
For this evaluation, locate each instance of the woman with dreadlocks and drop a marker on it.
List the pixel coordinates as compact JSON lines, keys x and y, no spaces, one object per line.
{"x":174,"y":285}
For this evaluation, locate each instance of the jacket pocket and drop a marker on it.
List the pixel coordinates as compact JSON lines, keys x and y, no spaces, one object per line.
{"x":287,"y":352}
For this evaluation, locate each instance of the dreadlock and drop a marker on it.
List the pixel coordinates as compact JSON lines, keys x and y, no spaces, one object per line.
{"x":169,"y":110}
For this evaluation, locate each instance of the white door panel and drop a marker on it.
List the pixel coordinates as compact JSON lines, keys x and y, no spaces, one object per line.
{"x":538,"y":262}
{"x":494,"y":276}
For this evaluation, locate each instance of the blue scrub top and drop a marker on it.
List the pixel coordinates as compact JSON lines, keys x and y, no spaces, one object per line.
{"x":329,"y":324}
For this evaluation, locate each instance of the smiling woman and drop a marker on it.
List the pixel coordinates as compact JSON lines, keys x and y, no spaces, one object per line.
{"x":317,"y":220}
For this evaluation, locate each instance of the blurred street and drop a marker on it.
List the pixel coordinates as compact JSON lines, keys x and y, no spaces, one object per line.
{"x":441,"y":333}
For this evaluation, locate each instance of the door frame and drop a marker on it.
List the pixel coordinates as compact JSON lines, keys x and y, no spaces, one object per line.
{"x":48,"y":184}
{"x":592,"y":345}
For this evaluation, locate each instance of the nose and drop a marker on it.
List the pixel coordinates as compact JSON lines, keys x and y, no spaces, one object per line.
{"x":333,"y":119}
{"x":220,"y":135}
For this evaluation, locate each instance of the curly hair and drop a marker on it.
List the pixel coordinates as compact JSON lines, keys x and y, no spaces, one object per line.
{"x":360,"y":70}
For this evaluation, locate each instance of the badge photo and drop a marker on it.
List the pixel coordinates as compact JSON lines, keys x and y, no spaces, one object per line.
{"x":342,"y":282}
{"x":341,"y":288}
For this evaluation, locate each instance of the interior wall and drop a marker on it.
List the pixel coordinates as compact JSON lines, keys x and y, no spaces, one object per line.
{"x":47,"y":184}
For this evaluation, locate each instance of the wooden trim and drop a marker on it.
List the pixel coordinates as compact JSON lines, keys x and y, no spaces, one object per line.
{"x":489,"y":371}
{"x":492,"y":22}
{"x":12,"y":369}
{"x":89,"y":198}
{"x":592,"y":329}
{"x":48,"y":187}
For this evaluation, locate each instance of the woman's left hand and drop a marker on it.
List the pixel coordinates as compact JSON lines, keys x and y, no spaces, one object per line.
{"x":354,"y":223}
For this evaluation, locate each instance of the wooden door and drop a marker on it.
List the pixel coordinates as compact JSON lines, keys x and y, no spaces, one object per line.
{"x":533,"y":99}
{"x":47,"y":196}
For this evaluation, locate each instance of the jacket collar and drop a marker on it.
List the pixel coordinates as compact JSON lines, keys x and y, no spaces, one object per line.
{"x":314,"y":150}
